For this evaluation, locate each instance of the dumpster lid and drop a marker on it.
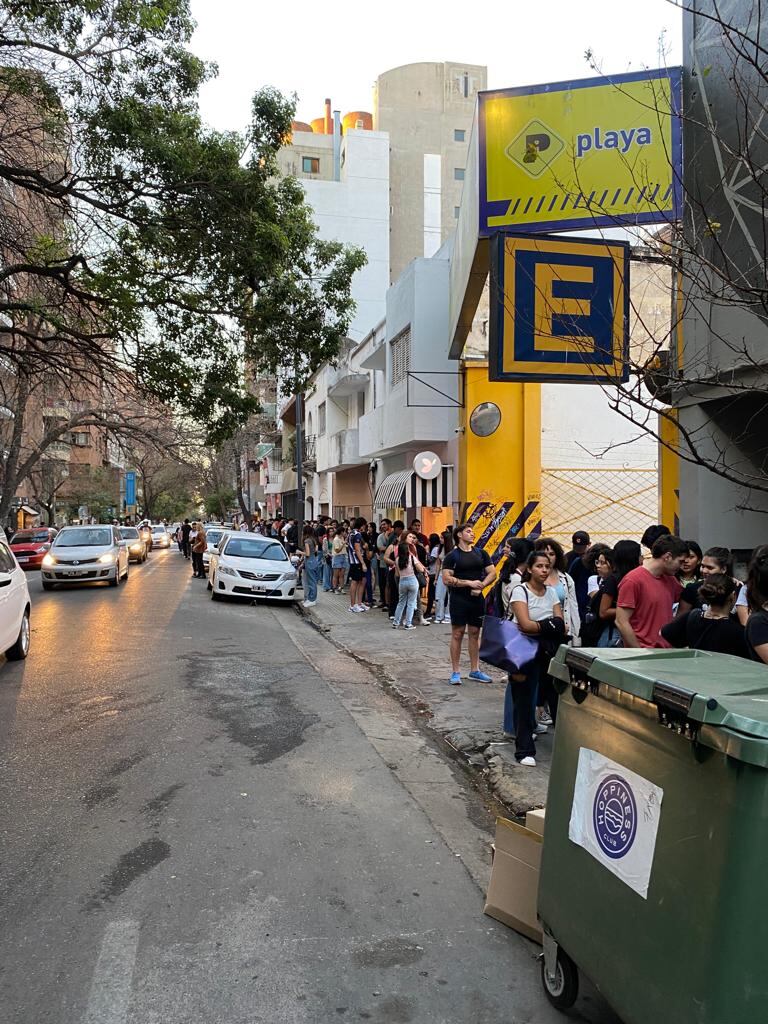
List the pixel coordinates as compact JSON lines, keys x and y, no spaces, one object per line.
{"x":713,"y":689}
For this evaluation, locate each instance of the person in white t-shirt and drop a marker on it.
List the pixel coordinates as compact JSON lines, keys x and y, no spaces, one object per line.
{"x":532,"y":602}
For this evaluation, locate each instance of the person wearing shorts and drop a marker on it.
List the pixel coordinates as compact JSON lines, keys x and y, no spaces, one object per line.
{"x":467,"y":571}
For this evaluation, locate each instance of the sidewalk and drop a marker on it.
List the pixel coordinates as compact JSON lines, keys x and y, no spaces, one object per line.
{"x":467,"y":719}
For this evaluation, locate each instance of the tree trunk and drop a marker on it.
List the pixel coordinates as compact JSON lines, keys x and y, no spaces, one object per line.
{"x":10,"y":474}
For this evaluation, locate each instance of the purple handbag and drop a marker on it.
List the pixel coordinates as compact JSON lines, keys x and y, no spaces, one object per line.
{"x":504,"y":645}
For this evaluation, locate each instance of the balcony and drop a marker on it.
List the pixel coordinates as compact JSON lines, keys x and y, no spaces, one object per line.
{"x":58,"y":451}
{"x":343,"y":381}
{"x":344,"y":450}
{"x":56,"y":409}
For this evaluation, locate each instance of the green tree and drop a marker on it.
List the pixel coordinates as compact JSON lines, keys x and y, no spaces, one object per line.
{"x":135,"y":239}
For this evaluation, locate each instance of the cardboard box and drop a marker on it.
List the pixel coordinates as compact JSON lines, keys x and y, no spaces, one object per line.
{"x":534,"y":820}
{"x":513,"y":891}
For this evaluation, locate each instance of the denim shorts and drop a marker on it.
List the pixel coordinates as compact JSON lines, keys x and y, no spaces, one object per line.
{"x":339,"y":562}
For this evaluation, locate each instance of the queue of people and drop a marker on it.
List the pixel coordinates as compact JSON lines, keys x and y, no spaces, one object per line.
{"x":672,"y":595}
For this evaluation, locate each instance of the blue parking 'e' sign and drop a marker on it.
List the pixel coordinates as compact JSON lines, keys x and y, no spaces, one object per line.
{"x":559,"y":310}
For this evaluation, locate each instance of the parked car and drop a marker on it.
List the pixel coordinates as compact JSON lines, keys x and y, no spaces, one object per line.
{"x":213,"y":536}
{"x":146,"y":534}
{"x":137,"y":546}
{"x":86,"y":554}
{"x":246,"y":565}
{"x":29,"y":546}
{"x":161,"y":538}
{"x":14,"y":606}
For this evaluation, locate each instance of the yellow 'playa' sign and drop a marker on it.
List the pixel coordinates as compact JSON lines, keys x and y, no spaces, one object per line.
{"x":570,"y":155}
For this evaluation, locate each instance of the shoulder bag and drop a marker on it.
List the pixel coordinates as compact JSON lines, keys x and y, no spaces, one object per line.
{"x":504,"y":645}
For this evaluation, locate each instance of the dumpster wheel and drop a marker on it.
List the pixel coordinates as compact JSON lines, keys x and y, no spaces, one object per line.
{"x":562,"y":988}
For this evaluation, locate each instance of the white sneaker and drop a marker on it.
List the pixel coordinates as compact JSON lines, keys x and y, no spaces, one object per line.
{"x":308,"y":604}
{"x":446,"y":622}
{"x":540,"y":729}
{"x":361,"y":608}
{"x":353,"y":608}
{"x":528,"y":762}
{"x":544,"y":718}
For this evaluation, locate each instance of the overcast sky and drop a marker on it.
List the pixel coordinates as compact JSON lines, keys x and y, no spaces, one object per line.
{"x":337,"y":48}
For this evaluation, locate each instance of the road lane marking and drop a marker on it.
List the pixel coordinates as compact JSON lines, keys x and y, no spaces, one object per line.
{"x":110,"y":994}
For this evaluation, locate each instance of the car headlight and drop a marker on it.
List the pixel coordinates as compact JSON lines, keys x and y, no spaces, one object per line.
{"x":225,"y":570}
{"x":135,"y":547}
{"x":107,"y":559}
{"x":49,"y":560}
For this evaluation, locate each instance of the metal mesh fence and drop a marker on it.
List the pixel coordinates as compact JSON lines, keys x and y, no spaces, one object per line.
{"x":610,"y":504}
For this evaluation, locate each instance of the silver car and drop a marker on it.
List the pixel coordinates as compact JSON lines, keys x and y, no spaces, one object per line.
{"x":86,"y":554}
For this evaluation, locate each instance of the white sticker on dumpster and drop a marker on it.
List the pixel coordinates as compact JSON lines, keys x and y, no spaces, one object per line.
{"x":615,"y":817}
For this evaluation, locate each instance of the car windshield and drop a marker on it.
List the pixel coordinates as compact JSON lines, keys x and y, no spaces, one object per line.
{"x":85,"y":537}
{"x":256,"y":547}
{"x":158,"y":529}
{"x":29,"y":536}
{"x":130,"y":533}
{"x":213,"y":536}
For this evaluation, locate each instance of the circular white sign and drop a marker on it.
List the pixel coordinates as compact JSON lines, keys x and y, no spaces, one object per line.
{"x":427,"y":465}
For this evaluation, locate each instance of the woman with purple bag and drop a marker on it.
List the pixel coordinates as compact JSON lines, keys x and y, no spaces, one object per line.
{"x":535,"y":608}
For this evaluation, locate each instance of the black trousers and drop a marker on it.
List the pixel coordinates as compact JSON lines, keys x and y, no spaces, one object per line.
{"x":198,"y":568}
{"x":185,"y":546}
{"x":383,"y":584}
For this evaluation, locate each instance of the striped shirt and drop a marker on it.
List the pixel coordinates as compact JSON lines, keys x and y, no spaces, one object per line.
{"x":355,"y":537}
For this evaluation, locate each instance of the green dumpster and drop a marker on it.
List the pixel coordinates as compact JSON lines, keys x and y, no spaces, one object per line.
{"x":654,"y":872}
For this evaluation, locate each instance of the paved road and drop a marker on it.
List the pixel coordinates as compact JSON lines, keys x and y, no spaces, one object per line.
{"x":208,"y":815}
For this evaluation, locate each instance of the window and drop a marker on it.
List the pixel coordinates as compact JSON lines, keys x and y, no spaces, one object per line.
{"x":81,"y":438}
{"x":310,"y":164}
{"x":400,"y":351}
{"x":360,"y":404}
{"x":321,"y":420}
{"x":456,"y":212}
{"x":458,"y":173}
{"x":458,"y":134}
{"x":7,"y":561}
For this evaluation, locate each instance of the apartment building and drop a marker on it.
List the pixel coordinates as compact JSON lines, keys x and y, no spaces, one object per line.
{"x":390,"y":182}
{"x":426,"y":109}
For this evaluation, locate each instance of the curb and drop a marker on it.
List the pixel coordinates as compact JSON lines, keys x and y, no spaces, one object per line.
{"x":487,"y":770}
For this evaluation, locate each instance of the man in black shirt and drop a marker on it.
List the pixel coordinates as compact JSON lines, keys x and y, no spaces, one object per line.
{"x":467,"y":571}
{"x":186,"y":529}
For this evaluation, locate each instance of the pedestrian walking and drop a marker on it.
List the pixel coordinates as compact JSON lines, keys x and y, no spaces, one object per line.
{"x":198,"y":543}
{"x":180,"y":538}
{"x":467,"y":571}
{"x":536,"y":609}
{"x":186,"y":529}
{"x":647,"y":595}
{"x":407,"y":565}
{"x":312,"y":566}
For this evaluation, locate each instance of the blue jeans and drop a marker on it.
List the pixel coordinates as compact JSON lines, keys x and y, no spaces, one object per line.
{"x":409,"y":592}
{"x":326,"y":575}
{"x":312,"y":571}
{"x":520,"y":709}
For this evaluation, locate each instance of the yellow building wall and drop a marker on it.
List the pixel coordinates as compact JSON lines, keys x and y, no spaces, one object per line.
{"x":500,"y":475}
{"x":669,"y":472}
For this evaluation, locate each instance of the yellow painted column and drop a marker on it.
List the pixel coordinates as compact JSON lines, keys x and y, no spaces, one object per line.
{"x":500,"y":474}
{"x":669,"y":472}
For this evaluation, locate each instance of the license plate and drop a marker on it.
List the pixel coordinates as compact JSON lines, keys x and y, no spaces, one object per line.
{"x":75,"y":572}
{"x":22,"y":558}
{"x":258,"y":590}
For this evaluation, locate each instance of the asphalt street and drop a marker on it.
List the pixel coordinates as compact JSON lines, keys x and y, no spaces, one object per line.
{"x":210,"y":816}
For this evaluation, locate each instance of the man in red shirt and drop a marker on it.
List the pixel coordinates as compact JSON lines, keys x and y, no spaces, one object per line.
{"x":647,"y":595}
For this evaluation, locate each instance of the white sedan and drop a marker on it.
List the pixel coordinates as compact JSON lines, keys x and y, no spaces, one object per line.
{"x":14,"y":606}
{"x":247,"y":565}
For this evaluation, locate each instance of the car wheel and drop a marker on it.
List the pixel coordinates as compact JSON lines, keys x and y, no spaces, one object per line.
{"x":20,"y":649}
{"x":215,"y":595}
{"x":47,"y":586}
{"x":208,"y":584}
{"x":114,"y":581}
{"x":125,"y":577}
